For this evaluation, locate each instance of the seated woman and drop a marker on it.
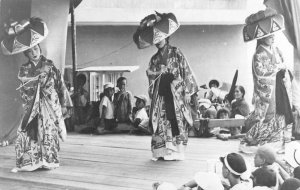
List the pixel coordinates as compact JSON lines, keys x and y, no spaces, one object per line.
{"x":239,"y":106}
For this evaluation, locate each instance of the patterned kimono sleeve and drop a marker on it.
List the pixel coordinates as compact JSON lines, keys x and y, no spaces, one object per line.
{"x":22,"y":74}
{"x":151,"y":74}
{"x":263,"y":84}
{"x":62,"y":91}
{"x":264,"y":81}
{"x":189,"y":81}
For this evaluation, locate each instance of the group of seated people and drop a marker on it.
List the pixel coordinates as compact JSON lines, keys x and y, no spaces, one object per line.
{"x":270,"y":173}
{"x":115,"y":110}
{"x":219,"y":107}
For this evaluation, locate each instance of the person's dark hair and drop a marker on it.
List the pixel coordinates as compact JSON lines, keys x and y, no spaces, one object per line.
{"x":242,"y":89}
{"x":222,"y":110}
{"x":81,"y":79}
{"x":296,"y":172}
{"x":290,"y":184}
{"x":213,"y":82}
{"x":120,"y":79}
{"x":26,"y":51}
{"x":265,"y":177}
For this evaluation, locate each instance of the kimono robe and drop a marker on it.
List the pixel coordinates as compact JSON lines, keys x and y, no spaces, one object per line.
{"x":37,"y":142}
{"x":164,"y":143}
{"x":266,"y":125}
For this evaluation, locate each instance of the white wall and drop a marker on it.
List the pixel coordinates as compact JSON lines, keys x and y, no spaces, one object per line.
{"x":211,"y":50}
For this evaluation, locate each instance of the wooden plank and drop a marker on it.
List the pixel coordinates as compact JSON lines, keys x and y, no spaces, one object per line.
{"x":115,"y":162}
{"x":224,"y":123}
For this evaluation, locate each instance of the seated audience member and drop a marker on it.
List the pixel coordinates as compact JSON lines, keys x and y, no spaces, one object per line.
{"x":140,"y":117}
{"x":207,"y":110}
{"x":122,"y":102}
{"x":296,"y":172}
{"x":214,"y":92}
{"x":264,"y":179}
{"x":106,"y":110}
{"x":234,"y":166}
{"x":204,"y":181}
{"x":291,"y":184}
{"x":265,"y":157}
{"x":222,"y":133}
{"x":163,"y":186}
{"x":239,"y":106}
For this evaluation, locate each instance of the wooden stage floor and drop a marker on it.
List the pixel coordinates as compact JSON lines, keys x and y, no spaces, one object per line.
{"x":114,"y":162}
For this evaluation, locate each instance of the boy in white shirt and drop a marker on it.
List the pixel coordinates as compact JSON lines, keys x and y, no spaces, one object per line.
{"x":140,"y":117}
{"x":106,"y":109}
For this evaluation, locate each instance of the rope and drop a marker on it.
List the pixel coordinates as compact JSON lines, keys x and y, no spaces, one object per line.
{"x":108,"y":54}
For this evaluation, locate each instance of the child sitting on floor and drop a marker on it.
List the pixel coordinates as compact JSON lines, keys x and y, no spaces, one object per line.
{"x":265,"y":157}
{"x":140,"y":117}
{"x":264,"y":179}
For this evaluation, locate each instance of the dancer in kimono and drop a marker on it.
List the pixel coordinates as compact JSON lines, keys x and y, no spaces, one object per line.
{"x":45,"y":99}
{"x":171,"y":84}
{"x":273,"y":96}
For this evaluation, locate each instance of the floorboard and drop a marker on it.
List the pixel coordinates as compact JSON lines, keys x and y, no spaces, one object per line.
{"x":114,"y":162}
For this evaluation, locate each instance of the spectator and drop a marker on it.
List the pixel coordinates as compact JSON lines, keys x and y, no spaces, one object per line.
{"x":207,"y":110}
{"x":264,"y":179}
{"x":239,"y":106}
{"x":234,"y":167}
{"x":122,"y":102}
{"x":290,"y":184}
{"x":140,"y":117}
{"x":106,"y":110}
{"x":296,"y":172}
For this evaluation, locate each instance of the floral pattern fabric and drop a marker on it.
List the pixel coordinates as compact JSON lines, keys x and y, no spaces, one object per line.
{"x":184,"y":84}
{"x":37,"y":142}
{"x":267,"y":126}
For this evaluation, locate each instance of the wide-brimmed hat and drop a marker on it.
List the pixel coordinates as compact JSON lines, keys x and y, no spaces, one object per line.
{"x":263,"y":24}
{"x":142,"y":97}
{"x":23,"y":35}
{"x":292,"y":153}
{"x":154,"y":28}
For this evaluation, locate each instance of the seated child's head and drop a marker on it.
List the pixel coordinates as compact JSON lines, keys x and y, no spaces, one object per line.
{"x":264,"y":177}
{"x":290,"y":184}
{"x":223,"y":113}
{"x":233,"y":165}
{"x":296,"y":172}
{"x":141,"y":101}
{"x":265,"y":155}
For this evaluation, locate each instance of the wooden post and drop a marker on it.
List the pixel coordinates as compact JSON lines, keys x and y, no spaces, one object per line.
{"x":74,"y":53}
